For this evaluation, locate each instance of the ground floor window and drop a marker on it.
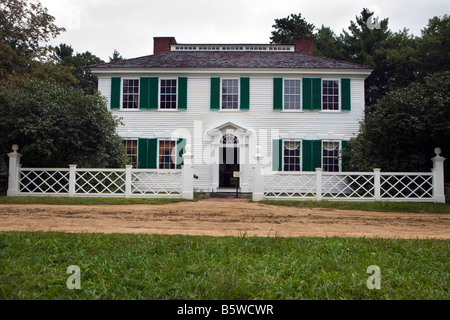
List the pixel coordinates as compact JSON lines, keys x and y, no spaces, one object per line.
{"x":132,"y":151}
{"x":330,"y":156}
{"x":291,"y":156}
{"x":167,"y":154}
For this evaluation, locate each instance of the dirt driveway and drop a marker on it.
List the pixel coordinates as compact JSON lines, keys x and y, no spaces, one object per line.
{"x":223,"y":219}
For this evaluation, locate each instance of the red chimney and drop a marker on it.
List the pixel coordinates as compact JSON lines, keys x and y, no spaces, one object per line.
{"x":304,"y":45}
{"x":162,"y":44}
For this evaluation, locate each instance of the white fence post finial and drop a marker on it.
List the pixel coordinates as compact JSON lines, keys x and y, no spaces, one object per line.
{"x":438,"y":177}
{"x":188,"y":174}
{"x":13,"y":176}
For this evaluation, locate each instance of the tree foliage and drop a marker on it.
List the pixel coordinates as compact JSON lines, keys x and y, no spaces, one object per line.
{"x":25,"y":27}
{"x":57,"y":125}
{"x":79,"y":63}
{"x":116,"y":56}
{"x":402,"y":132}
{"x":287,"y":28}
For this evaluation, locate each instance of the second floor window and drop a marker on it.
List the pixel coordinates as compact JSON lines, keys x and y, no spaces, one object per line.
{"x":168,"y":94}
{"x":230,"y":94}
{"x":130,"y":91}
{"x":291,"y":94}
{"x":330,"y":95}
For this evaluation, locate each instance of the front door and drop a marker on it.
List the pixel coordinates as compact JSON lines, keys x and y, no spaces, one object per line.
{"x":229,"y":162}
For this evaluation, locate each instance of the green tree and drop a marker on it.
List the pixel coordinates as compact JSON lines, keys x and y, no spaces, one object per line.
{"x":287,"y":28}
{"x":80,"y":65}
{"x":434,"y":46}
{"x":116,"y":56}
{"x":401,"y":133}
{"x":327,"y":44}
{"x":57,"y":125}
{"x":25,"y":28}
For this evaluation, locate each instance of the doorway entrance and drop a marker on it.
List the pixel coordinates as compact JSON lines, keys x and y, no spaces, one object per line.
{"x":229,"y":161}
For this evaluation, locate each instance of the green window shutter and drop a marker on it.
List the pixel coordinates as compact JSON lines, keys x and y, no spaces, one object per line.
{"x":307,"y":93}
{"x":316,"y":154}
{"x":307,"y":155}
{"x":215,"y":93}
{"x":144,"y":93}
{"x":115,"y":92}
{"x":142,"y":153}
{"x":153,"y":92}
{"x":182,"y":93}
{"x":311,"y":155}
{"x":277,"y":155}
{"x":181,"y":144}
{"x":345,"y":95}
{"x":344,"y":145}
{"x":147,"y":153}
{"x":245,"y":93}
{"x":152,"y":153}
{"x":277,"y":93}
{"x":317,"y":94}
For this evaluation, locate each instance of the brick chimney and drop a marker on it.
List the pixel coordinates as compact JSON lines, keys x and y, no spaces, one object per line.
{"x":162,"y":44}
{"x":304,"y":45}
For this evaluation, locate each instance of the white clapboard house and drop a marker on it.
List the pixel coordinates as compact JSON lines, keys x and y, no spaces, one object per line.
{"x":226,"y":99}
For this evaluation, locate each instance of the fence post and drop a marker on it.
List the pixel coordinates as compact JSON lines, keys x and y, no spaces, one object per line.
{"x":318,"y":184}
{"x":258,"y":178}
{"x":128,"y":180}
{"x":13,"y":175}
{"x":377,"y":184}
{"x":187,"y":174}
{"x":438,"y":177}
{"x":72,"y":178}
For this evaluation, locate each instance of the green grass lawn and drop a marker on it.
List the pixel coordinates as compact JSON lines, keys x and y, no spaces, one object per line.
{"x":414,"y":207}
{"x":382,"y":206}
{"x":33,"y":265}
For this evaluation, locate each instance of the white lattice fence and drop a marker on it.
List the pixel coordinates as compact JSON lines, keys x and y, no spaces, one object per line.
{"x":407,"y":186}
{"x":290,"y":185}
{"x":157,"y":183}
{"x":43,"y":181}
{"x":349,"y":186}
{"x":100,"y":182}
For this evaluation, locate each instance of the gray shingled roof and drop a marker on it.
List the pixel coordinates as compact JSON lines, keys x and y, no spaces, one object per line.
{"x":236,"y":59}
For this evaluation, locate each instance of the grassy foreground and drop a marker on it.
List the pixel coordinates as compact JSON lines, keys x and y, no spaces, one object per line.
{"x":413,"y":207}
{"x":33,"y":265}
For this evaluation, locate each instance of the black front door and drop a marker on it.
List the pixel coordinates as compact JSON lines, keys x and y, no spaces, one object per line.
{"x":229,"y":162}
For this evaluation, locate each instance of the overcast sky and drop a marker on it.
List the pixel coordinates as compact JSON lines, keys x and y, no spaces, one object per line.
{"x":100,"y":26}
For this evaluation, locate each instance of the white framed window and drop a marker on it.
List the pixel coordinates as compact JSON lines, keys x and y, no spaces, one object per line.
{"x":168,"y":94}
{"x":291,"y":155}
{"x":166,"y":154}
{"x":292,"y":94}
{"x":130,"y":94}
{"x":131,"y":146}
{"x":330,"y":94}
{"x":230,"y":93}
{"x":330,"y":156}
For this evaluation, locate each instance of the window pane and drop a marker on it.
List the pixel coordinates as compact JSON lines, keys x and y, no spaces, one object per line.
{"x":330,"y":95}
{"x":292,"y":94}
{"x":130,"y":97}
{"x":168,"y":97}
{"x":166,"y":154}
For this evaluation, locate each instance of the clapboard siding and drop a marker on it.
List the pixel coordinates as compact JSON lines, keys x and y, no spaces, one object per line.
{"x":259,"y":118}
